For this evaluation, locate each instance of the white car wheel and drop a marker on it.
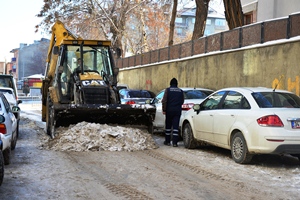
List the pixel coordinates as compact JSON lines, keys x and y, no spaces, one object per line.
{"x":239,"y":149}
{"x":188,"y":137}
{"x":6,"y":156}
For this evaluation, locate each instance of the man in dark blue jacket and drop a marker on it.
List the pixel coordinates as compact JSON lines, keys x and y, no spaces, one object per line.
{"x":171,"y":106}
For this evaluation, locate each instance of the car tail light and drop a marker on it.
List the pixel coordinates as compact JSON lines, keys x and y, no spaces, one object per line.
{"x":270,"y":120}
{"x":130,"y":102}
{"x":187,"y":106}
{"x":2,"y":128}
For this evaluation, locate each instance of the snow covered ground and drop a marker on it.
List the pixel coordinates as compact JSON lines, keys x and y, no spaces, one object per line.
{"x":205,"y":171}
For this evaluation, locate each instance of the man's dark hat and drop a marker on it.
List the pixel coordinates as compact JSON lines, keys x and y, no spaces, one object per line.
{"x":174,"y":82}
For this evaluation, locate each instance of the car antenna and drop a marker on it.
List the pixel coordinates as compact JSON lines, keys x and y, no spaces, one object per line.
{"x":278,"y":82}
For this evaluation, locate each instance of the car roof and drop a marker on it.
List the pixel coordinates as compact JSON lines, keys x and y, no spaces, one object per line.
{"x":127,"y":89}
{"x":6,"y":88}
{"x":192,"y":88}
{"x":253,"y":89}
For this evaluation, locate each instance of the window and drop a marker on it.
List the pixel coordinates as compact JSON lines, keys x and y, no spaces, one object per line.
{"x":213,"y":101}
{"x":235,"y":100}
{"x":160,"y":95}
{"x":207,"y":32}
{"x":6,"y":104}
{"x":196,"y":94}
{"x":248,"y":18}
{"x":178,"y":20}
{"x":276,"y":99}
{"x":208,"y":22}
{"x":220,"y":22}
{"x":179,"y":31}
{"x":139,"y":94}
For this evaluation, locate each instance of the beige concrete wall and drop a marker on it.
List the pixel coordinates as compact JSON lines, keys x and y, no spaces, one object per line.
{"x":261,"y":65}
{"x":2,"y":67}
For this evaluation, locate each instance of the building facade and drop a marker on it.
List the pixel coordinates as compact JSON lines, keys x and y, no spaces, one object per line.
{"x":261,"y":10}
{"x":30,"y":59}
{"x":185,"y":20}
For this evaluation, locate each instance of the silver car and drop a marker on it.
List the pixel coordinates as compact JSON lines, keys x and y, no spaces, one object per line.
{"x":134,"y":96}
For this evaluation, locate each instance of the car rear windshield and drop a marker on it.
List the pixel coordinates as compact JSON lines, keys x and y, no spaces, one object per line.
{"x":276,"y":100}
{"x":140,"y":94}
{"x":196,"y":94}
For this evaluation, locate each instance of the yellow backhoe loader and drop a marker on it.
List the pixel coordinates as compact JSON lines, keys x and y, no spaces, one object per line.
{"x":81,"y":85}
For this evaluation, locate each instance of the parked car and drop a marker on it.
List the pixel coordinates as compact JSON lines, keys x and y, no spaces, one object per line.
{"x":134,"y":96}
{"x":247,"y":121}
{"x":121,"y":86}
{"x":11,"y":98}
{"x":1,"y":163}
{"x":8,"y":128}
{"x":191,"y":96}
{"x":9,"y":81}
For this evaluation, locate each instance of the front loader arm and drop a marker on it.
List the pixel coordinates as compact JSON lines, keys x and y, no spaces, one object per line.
{"x":59,"y":33}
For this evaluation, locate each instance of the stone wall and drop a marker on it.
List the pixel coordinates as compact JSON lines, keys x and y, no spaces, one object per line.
{"x":263,"y":65}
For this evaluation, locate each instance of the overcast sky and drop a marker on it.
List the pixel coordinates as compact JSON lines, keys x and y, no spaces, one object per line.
{"x":17,"y":22}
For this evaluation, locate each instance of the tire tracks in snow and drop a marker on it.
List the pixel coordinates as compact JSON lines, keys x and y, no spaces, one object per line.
{"x":227,"y":181}
{"x":109,"y":180}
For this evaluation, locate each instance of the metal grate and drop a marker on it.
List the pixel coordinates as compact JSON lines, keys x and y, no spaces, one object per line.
{"x":96,"y":95}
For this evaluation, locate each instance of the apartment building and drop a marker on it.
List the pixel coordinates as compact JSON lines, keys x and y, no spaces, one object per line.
{"x":261,"y":10}
{"x":185,"y":20}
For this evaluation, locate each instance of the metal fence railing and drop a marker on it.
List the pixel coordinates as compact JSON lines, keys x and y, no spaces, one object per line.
{"x":281,"y":28}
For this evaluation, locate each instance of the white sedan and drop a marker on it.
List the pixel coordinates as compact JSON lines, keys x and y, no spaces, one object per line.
{"x":13,"y":101}
{"x":246,"y":121}
{"x":8,"y":128}
{"x":191,"y":96}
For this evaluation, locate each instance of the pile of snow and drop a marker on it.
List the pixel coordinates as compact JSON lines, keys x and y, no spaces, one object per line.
{"x":86,"y":136}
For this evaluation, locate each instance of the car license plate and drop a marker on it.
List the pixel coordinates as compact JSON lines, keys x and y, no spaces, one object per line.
{"x":295,"y":124}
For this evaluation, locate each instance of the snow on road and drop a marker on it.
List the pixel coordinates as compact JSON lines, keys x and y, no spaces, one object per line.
{"x":86,"y":136}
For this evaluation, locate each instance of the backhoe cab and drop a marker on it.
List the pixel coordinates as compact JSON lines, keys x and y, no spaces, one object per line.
{"x":76,"y":91}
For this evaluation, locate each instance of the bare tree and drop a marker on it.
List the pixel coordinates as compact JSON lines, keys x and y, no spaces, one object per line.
{"x":151,"y":29}
{"x":172,"y":23}
{"x":201,"y":16}
{"x":93,"y":19}
{"x":100,"y":19}
{"x":234,"y":13}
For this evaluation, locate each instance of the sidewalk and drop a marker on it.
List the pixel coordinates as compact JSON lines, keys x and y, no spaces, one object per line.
{"x":32,"y":110}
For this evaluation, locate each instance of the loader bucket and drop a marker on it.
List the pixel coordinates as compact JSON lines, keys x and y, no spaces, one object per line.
{"x":120,"y":114}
